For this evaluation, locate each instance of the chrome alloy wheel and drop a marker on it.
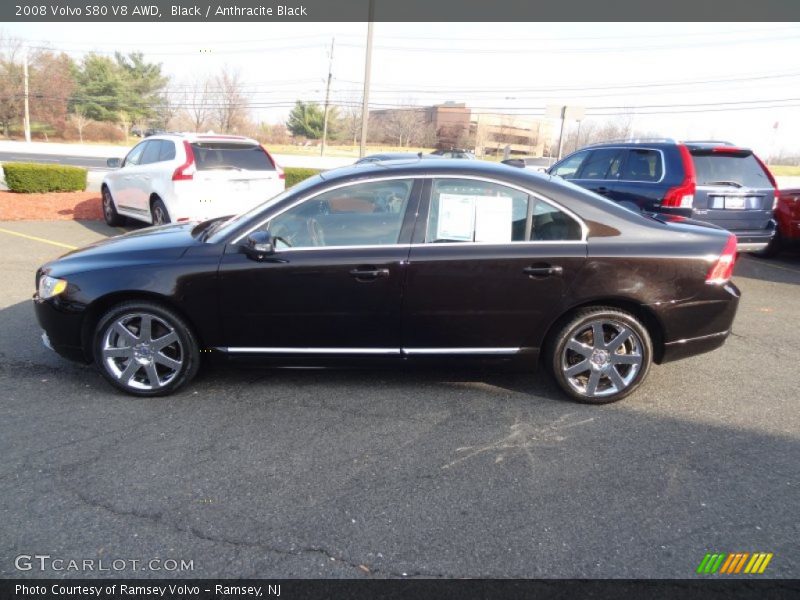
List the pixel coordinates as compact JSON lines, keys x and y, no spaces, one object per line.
{"x":108,"y":207}
{"x":159,"y":218}
{"x":142,"y":351}
{"x":601,"y":358}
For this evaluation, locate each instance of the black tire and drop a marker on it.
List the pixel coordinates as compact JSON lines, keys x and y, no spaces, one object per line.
{"x":772,"y":248}
{"x":130,"y":361}
{"x":159,"y":213}
{"x":580,"y":365}
{"x":112,"y":218}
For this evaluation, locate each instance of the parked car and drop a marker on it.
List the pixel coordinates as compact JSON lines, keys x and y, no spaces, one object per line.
{"x":787,"y":214}
{"x":189,"y":177}
{"x":384,"y":156}
{"x":711,"y":181}
{"x":403,"y":262}
{"x":455,"y":153}
{"x":539,"y":164}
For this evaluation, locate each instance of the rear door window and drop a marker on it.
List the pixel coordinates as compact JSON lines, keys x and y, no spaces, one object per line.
{"x":601,"y":164}
{"x":151,"y":152}
{"x":211,"y":156}
{"x":466,"y":210}
{"x":642,"y":164}
{"x":167,"y":150}
{"x":722,"y":168}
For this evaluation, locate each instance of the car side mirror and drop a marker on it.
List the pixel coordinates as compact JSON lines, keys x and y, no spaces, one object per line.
{"x":114,"y":163}
{"x":258,"y":245}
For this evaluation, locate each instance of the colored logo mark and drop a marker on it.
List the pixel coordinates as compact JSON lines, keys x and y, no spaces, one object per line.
{"x":734,"y":563}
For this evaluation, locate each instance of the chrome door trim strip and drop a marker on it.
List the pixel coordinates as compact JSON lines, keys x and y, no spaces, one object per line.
{"x":369,"y":351}
{"x":430,"y":351}
{"x":299,"y":350}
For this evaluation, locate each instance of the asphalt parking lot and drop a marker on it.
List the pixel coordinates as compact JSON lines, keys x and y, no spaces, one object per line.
{"x":436,"y":473}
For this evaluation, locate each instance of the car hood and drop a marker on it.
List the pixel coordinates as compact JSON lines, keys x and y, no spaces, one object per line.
{"x":152,"y":244}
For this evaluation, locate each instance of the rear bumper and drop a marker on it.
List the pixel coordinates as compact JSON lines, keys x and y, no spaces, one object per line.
{"x":754,"y":240}
{"x":692,"y":346}
{"x":696,"y":325}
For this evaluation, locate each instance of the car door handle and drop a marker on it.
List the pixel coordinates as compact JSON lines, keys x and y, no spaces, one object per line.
{"x":603,"y":190}
{"x":543,"y":271}
{"x":368,"y":274}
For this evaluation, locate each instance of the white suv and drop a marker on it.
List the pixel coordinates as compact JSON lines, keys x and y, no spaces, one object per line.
{"x":189,"y":177}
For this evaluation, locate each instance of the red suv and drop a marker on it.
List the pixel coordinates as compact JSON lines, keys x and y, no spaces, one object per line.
{"x":787,"y":214}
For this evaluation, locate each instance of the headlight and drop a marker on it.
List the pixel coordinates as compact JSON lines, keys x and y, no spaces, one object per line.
{"x":51,"y":286}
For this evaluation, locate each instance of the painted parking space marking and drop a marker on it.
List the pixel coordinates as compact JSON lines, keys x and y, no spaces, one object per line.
{"x":38,"y":239}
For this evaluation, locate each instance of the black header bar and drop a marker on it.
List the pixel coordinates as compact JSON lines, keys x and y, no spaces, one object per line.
{"x":444,"y":11}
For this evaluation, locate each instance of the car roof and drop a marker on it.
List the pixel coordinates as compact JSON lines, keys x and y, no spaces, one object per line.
{"x":192,"y":137}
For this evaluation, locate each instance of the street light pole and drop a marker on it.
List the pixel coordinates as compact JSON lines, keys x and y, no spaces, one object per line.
{"x":327,"y":101}
{"x":367,"y":68}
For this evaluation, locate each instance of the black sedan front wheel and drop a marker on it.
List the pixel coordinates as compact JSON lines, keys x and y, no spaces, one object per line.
{"x":145,"y":349}
{"x":601,"y":355}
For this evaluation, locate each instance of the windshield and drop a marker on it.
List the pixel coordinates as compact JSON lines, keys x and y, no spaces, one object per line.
{"x":218,"y":232}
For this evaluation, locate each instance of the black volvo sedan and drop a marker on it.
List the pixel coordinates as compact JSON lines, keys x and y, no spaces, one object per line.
{"x":401,"y":261}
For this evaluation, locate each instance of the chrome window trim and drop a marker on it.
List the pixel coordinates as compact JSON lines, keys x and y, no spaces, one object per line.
{"x":537,"y":195}
{"x":619,"y":179}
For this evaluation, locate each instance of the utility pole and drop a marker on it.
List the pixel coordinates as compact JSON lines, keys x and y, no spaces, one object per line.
{"x":561,"y":135}
{"x":327,"y":100}
{"x":27,"y":117}
{"x":367,"y":68}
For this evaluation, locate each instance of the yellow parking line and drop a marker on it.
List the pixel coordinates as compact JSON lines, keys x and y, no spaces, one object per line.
{"x":38,"y":239}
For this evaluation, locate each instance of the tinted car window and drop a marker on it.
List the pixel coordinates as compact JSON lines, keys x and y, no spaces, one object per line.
{"x":134,"y":156}
{"x":601,"y":164}
{"x":225,"y":155}
{"x":365,"y":214}
{"x":722,"y":167}
{"x":167,"y":150}
{"x":570,"y":165}
{"x":151,"y":152}
{"x":465,"y":210}
{"x":642,"y":165}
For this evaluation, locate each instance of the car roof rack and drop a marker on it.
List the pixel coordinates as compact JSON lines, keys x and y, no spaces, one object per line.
{"x":633,"y":140}
{"x":722,"y":142}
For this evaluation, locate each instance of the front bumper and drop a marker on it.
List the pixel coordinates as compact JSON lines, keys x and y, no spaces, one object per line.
{"x":62,"y":325}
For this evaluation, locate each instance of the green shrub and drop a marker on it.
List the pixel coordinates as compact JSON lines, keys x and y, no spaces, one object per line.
{"x":295,"y":175}
{"x":32,"y":178}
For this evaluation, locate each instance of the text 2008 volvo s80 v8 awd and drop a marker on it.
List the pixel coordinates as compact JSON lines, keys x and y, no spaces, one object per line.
{"x":403,"y":261}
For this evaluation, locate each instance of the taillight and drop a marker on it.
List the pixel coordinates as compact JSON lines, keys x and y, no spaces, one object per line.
{"x":281,"y":174}
{"x":188,"y":168}
{"x":771,"y":178}
{"x":682,"y":195}
{"x":722,"y":270}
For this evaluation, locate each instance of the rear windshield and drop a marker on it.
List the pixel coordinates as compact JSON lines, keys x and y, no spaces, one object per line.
{"x":225,"y":155}
{"x":718,"y":169}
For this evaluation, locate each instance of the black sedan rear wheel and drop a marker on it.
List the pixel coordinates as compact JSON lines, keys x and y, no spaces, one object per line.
{"x":145,"y":349}
{"x":600,"y":355}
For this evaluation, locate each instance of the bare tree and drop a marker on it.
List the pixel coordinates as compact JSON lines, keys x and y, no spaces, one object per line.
{"x":79,"y":120}
{"x":229,"y":108}
{"x":198,"y":102}
{"x":405,"y":125}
